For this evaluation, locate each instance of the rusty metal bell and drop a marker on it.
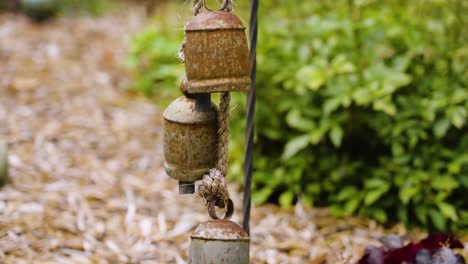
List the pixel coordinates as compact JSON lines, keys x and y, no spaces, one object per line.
{"x":219,"y":241}
{"x":216,"y":54}
{"x":190,"y":138}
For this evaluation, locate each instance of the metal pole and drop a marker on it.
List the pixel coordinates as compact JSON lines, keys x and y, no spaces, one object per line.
{"x":249,"y":133}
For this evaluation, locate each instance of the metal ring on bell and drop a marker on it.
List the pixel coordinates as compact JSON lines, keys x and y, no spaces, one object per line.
{"x":229,"y":208}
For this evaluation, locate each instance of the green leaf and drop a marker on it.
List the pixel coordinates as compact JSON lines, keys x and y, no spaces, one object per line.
{"x":407,"y":192}
{"x":286,"y":199}
{"x":336,"y":135}
{"x":341,"y":65}
{"x":380,"y":215}
{"x":337,"y":211}
{"x":295,"y":145}
{"x":445,"y":182}
{"x":311,"y":76}
{"x":351,"y":206}
{"x":402,"y":215}
{"x":295,"y":120}
{"x":441,"y":127}
{"x":421,"y":213}
{"x":448,"y":211}
{"x":331,"y":105}
{"x":397,"y":149}
{"x":437,"y":219}
{"x":373,"y":183}
{"x":261,"y":196}
{"x":346,"y":193}
{"x":464,"y":217}
{"x":386,"y":106}
{"x":316,"y":135}
{"x":399,"y":78}
{"x":464,"y":181}
{"x":373,"y":195}
{"x":459,"y":116}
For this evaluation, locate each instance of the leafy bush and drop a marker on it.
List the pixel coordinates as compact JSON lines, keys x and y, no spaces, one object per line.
{"x":362,"y":106}
{"x":153,"y":54}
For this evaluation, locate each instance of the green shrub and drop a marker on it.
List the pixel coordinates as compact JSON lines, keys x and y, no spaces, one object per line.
{"x":154,"y":55}
{"x":361,"y":106}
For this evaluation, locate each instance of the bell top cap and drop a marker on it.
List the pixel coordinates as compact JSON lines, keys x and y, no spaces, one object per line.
{"x":182,"y":111}
{"x":220,"y":230}
{"x":214,"y":20}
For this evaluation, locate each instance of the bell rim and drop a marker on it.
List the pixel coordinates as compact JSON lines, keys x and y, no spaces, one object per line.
{"x":217,"y":85}
{"x":196,"y":174}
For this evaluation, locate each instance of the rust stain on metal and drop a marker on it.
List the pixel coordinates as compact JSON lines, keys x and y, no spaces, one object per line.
{"x":214,"y":20}
{"x":219,"y":241}
{"x":216,"y":54}
{"x":190,"y":139}
{"x":220,"y":230}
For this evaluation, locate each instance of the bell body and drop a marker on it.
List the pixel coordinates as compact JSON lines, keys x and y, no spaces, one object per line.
{"x":190,"y":139}
{"x":216,"y":54}
{"x":219,"y":241}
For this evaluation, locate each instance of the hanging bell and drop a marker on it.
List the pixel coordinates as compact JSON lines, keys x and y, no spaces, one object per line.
{"x":216,"y":54}
{"x":190,"y":138}
{"x":219,"y":241}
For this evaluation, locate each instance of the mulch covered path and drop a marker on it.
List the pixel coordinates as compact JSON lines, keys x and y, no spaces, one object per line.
{"x":87,"y":185}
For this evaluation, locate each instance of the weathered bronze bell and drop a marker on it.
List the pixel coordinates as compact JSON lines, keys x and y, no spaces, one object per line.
{"x":190,"y":138}
{"x":216,"y":54}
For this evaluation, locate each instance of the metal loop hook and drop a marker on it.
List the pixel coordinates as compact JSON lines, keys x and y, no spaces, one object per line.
{"x":198,"y":4}
{"x":221,"y":204}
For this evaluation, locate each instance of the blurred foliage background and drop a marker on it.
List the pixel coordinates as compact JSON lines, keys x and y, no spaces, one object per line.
{"x":47,"y":8}
{"x":362,"y":105}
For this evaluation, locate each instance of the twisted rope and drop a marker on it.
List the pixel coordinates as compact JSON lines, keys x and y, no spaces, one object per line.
{"x":213,"y":187}
{"x":197,"y":6}
{"x":227,"y":5}
{"x":223,"y":133}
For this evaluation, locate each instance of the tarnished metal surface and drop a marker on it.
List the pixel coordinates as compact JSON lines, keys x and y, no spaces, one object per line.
{"x":189,"y":140}
{"x":216,"y":54}
{"x":186,"y":187}
{"x":183,"y":111}
{"x":220,"y":230}
{"x":235,"y":84}
{"x":219,"y":241}
{"x":214,"y":20}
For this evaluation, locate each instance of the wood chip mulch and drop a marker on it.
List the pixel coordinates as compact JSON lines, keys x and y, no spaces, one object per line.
{"x":87,"y":184}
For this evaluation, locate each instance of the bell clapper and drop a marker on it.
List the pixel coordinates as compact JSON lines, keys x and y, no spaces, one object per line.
{"x":186,"y":187}
{"x":202,"y":102}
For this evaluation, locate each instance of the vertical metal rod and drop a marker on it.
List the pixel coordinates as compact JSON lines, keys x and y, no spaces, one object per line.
{"x":249,"y":133}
